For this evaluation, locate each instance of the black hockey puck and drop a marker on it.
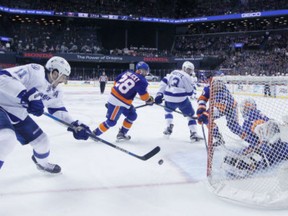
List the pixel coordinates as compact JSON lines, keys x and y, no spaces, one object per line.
{"x":160,"y":162}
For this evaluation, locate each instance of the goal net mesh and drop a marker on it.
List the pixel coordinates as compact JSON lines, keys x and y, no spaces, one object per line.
{"x":247,"y":144}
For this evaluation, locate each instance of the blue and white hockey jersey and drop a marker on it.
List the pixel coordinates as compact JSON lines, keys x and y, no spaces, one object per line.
{"x":176,"y":86}
{"x":16,"y":79}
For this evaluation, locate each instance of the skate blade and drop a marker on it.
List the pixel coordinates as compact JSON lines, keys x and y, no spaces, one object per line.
{"x":122,"y":140}
{"x":196,"y":140}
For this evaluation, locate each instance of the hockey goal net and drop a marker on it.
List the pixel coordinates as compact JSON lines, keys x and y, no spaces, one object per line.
{"x":247,"y":144}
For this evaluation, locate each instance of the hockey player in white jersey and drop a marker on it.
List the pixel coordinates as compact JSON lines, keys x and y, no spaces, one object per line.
{"x":175,"y":89}
{"x":194,"y":83}
{"x":27,"y":90}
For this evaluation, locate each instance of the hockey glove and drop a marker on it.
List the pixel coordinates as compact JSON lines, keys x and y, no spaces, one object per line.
{"x":159,"y":98}
{"x":150,"y":101}
{"x":80,"y":131}
{"x":132,"y":108}
{"x":32,"y":100}
{"x":203,"y":118}
{"x":201,"y":109}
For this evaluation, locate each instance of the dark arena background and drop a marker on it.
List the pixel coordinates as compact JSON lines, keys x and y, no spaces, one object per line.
{"x":240,"y":37}
{"x":242,"y":43}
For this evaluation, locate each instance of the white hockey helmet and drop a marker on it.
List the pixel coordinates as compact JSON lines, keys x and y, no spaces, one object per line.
{"x":59,"y":64}
{"x":246,"y":106}
{"x":188,"y":67}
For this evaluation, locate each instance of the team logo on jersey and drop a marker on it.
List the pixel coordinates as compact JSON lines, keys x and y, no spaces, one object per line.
{"x":35,"y":66}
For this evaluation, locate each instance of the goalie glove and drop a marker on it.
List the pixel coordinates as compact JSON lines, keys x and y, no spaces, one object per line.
{"x":80,"y":131}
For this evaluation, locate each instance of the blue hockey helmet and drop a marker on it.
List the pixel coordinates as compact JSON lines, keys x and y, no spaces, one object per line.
{"x":143,"y":66}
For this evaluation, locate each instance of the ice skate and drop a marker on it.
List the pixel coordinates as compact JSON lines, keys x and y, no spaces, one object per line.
{"x":237,"y":167}
{"x":51,"y":168}
{"x":169,"y":130}
{"x":122,"y":137}
{"x":194,"y":137}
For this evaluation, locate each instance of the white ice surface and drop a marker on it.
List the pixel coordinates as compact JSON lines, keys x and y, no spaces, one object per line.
{"x":99,"y":180}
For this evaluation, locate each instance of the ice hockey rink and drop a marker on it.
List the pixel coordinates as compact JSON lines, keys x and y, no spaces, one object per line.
{"x":97,"y":179}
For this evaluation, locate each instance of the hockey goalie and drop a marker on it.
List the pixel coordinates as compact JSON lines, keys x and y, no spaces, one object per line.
{"x":257,"y":172}
{"x":265,"y":146}
{"x":250,"y":165}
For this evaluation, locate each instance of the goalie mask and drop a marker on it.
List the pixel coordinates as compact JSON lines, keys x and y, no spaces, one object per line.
{"x":188,"y":67}
{"x":246,"y":106}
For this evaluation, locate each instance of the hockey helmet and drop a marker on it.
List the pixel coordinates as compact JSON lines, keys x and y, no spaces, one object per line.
{"x":59,"y":64}
{"x":246,"y":106}
{"x":143,"y":67}
{"x":188,"y":67}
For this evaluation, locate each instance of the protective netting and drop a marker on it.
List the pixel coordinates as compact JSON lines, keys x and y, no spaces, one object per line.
{"x":247,"y":146}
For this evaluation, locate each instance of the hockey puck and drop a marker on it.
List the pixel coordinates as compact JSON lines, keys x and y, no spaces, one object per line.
{"x":160,"y":162}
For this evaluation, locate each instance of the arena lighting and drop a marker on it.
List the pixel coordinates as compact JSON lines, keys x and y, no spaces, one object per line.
{"x":147,"y":19}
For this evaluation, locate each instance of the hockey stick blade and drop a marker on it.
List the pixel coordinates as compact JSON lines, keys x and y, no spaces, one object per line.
{"x":95,"y":138}
{"x":144,"y":157}
{"x":150,"y":154}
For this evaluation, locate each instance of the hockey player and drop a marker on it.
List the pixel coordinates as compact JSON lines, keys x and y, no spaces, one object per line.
{"x":125,"y":88}
{"x":176,"y":88}
{"x":194,"y":83}
{"x":265,"y":145}
{"x":27,"y":90}
{"x":224,"y":105}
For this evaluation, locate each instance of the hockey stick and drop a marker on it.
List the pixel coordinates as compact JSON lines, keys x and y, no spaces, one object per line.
{"x":194,"y":117}
{"x":143,"y":105}
{"x":95,"y":138}
{"x":204,"y":136}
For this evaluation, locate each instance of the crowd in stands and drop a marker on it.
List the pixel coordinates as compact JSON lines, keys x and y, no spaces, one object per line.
{"x":59,"y":38}
{"x":246,"y":49}
{"x":258,"y":53}
{"x":151,"y":8}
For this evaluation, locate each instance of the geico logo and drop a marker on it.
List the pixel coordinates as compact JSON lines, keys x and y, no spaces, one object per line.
{"x":254,"y":14}
{"x":283,"y":90}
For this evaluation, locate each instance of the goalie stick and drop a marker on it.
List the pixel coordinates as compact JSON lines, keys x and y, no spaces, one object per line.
{"x":95,"y":138}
